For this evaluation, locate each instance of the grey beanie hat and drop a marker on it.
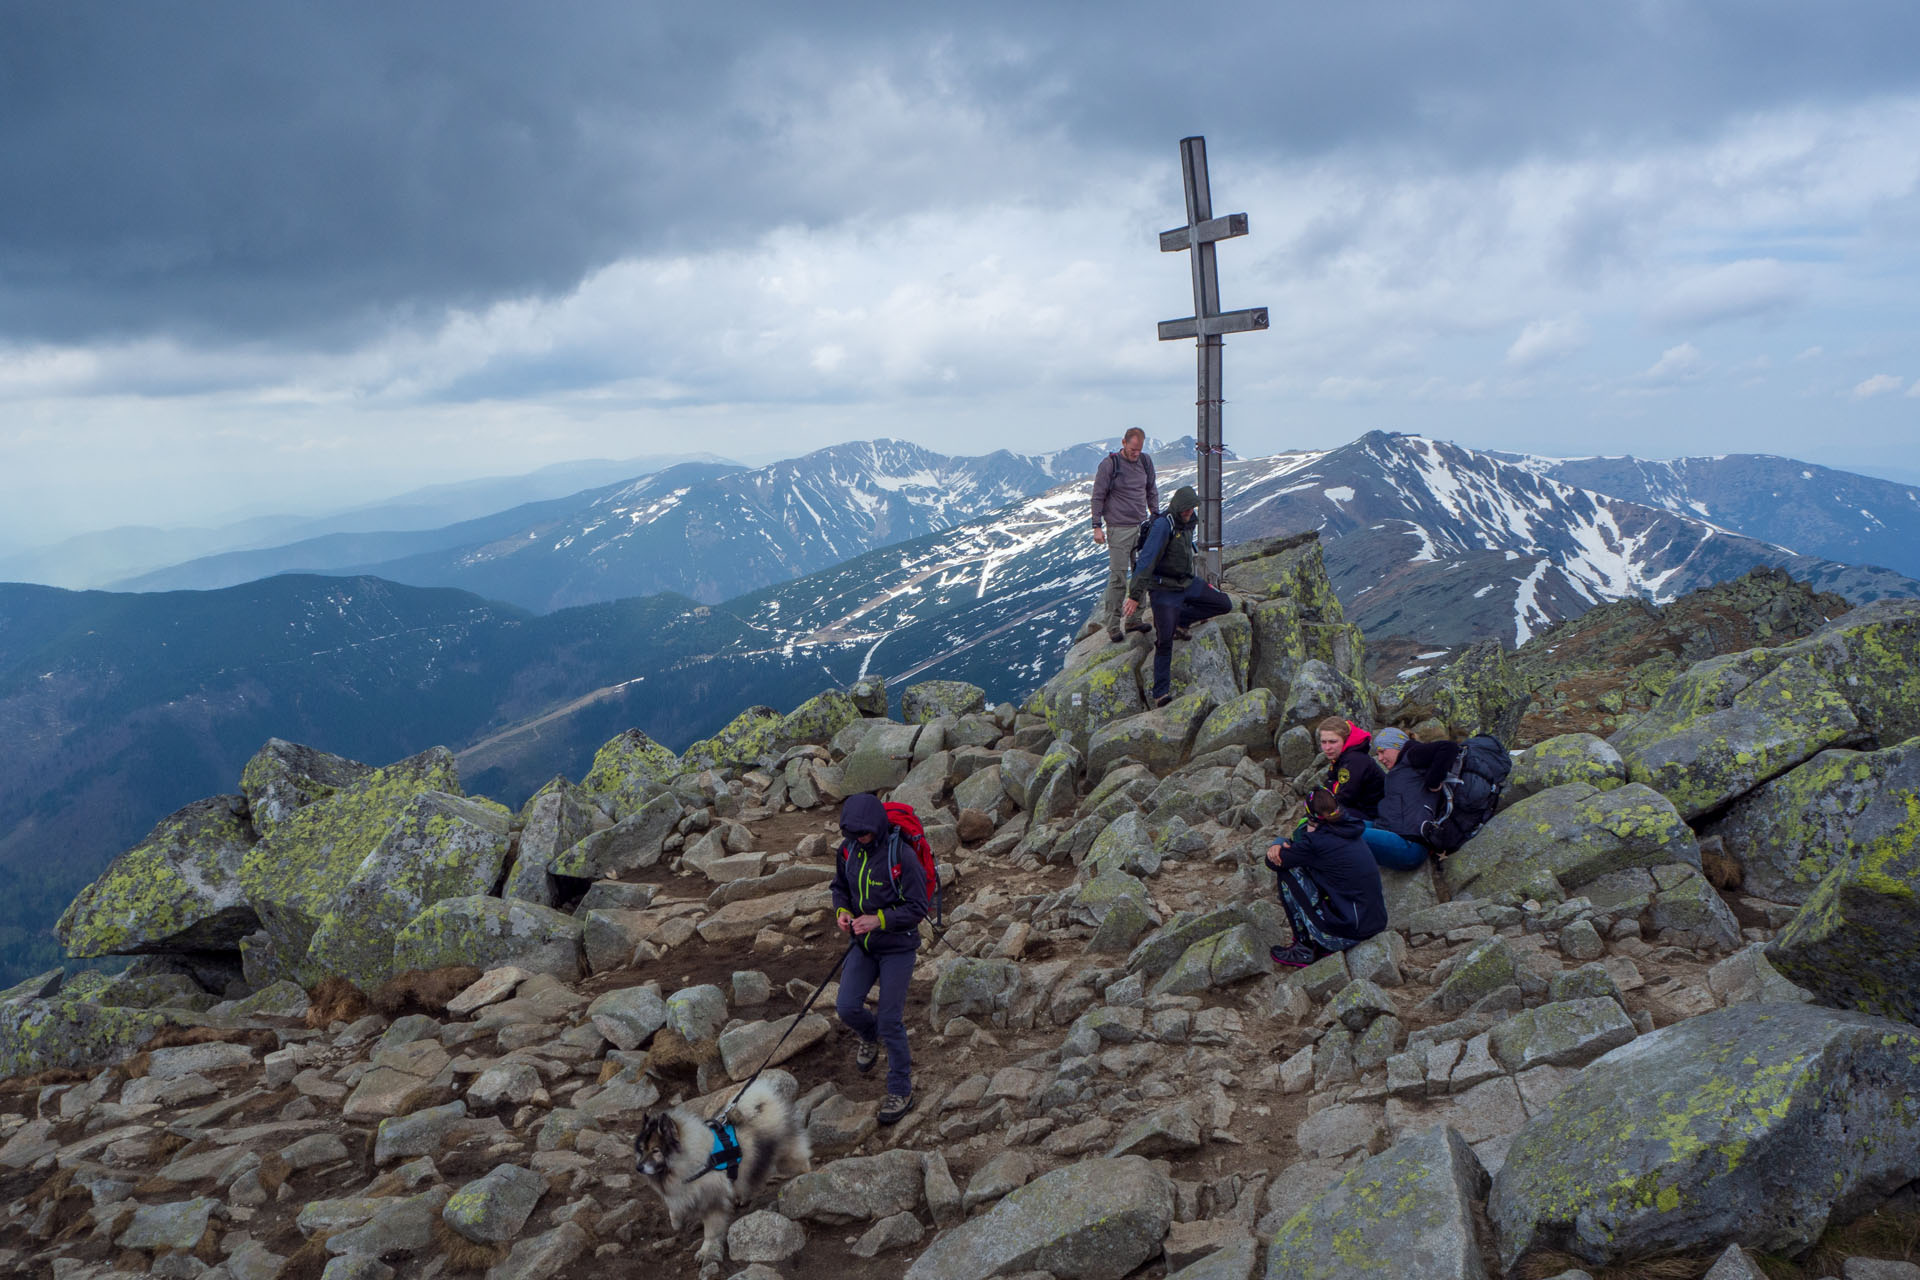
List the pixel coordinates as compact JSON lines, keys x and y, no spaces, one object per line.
{"x":1389,"y":739}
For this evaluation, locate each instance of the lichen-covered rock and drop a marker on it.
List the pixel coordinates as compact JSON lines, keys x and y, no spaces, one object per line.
{"x":1158,"y":739}
{"x":1054,"y":789}
{"x":1567,"y":1033}
{"x":628,"y":1016}
{"x":1215,"y":659}
{"x":177,"y":890}
{"x":1125,"y":845}
{"x":494,"y":1206}
{"x":1104,"y":689}
{"x":284,"y":776}
{"x":817,"y":719}
{"x":489,"y":932}
{"x":869,"y":695}
{"x":1095,"y":1220}
{"x":296,"y":872}
{"x":177,"y":1226}
{"x":883,"y":758}
{"x":1789,"y":834}
{"x":1855,"y":943}
{"x":857,"y":1189}
{"x":634,"y":843}
{"x":627,"y":772}
{"x":746,"y":738}
{"x":972,"y":988}
{"x":555,"y":820}
{"x":41,"y":1035}
{"x":1317,"y":690}
{"x":1576,"y":833}
{"x":1217,"y":961}
{"x":1690,"y":913}
{"x":1732,"y":722}
{"x":1760,"y":1124}
{"x":1103,"y":892}
{"x":1478,"y":692}
{"x":1571,"y":757}
{"x":1158,"y":953}
{"x":931,"y":699}
{"x":441,"y":846}
{"x":1245,"y":721}
{"x":1407,"y":1212}
{"x":1482,"y":971}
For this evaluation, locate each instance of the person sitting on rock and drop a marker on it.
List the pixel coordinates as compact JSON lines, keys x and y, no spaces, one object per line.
{"x":880,"y":898}
{"x":1329,"y":884}
{"x":1352,"y":773}
{"x":1180,"y":596}
{"x":1414,"y":771}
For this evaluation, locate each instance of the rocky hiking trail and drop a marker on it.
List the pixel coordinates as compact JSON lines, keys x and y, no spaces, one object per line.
{"x":1656,"y":1019}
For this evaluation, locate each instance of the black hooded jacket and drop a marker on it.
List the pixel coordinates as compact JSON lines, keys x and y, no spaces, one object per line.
{"x":1331,"y":851}
{"x":880,"y":878}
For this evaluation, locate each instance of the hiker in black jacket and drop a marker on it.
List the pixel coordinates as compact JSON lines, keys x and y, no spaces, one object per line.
{"x":1352,"y":773}
{"x":1412,"y":796}
{"x":1329,"y":884}
{"x":880,"y":898}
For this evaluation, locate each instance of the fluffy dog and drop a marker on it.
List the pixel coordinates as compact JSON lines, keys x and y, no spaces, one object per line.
{"x":675,"y":1151}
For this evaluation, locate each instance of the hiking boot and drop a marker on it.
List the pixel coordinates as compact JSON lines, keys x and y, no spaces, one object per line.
{"x":896,"y":1106}
{"x":1181,"y":633}
{"x":1116,"y":635}
{"x":1161,"y":701}
{"x":866,"y":1055}
{"x":1297,"y":956}
{"x":1138,"y":625}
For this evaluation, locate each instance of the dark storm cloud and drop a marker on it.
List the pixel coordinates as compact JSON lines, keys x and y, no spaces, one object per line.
{"x":304,"y":170}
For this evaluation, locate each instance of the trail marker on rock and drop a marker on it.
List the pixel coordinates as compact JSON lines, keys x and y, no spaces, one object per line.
{"x":1206,"y":326}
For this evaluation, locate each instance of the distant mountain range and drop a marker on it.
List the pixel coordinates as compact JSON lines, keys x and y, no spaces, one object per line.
{"x":706,"y":531}
{"x":119,"y":707}
{"x":112,"y":557}
{"x":1813,"y":509}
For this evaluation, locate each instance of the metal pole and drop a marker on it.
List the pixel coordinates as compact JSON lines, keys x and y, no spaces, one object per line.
{"x":1206,"y":295}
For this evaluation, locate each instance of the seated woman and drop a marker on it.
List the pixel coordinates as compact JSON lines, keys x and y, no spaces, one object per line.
{"x":1415,"y":771}
{"x":1329,"y":884}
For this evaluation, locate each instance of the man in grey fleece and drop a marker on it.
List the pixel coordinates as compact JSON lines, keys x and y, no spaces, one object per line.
{"x":1124,"y":494}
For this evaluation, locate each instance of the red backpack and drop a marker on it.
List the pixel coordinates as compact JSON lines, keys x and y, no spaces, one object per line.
{"x":906,"y":825}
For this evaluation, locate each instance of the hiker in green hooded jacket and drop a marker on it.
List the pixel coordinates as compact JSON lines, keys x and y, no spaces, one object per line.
{"x":1180,"y":597}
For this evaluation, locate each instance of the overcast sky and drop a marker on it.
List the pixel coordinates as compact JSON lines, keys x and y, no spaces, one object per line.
{"x":279,"y":257}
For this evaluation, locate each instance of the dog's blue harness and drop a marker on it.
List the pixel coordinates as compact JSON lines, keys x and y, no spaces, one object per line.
{"x":725,"y":1157}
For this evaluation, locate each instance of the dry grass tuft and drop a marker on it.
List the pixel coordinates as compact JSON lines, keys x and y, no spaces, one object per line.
{"x":1681,"y":1266}
{"x":273,"y":1172}
{"x":334,"y":1000}
{"x":463,"y":1254}
{"x":424,"y":990}
{"x":172,"y":1037}
{"x":672,"y":1053}
{"x":1723,"y":870}
{"x":136,"y":1067}
{"x":309,"y":1261}
{"x":16,"y":1085}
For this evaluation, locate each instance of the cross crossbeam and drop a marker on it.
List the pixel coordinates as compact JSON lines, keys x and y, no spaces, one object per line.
{"x":1206,"y":326}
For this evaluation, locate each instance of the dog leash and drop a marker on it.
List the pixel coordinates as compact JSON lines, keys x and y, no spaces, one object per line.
{"x":832,"y":973}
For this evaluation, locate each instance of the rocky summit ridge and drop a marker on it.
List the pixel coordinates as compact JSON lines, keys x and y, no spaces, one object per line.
{"x":1660,"y":1012}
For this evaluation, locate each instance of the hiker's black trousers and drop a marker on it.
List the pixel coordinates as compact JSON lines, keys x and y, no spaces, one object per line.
{"x":892,"y":970}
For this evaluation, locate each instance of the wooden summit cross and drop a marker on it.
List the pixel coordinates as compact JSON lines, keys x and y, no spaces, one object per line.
{"x":1206,"y":326}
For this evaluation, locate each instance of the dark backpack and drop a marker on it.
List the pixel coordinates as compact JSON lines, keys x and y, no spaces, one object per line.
{"x":1133,"y":557}
{"x":1471,"y":793}
{"x":908,"y":831}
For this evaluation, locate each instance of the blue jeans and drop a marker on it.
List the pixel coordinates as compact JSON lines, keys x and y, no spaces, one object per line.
{"x":1394,"y":852}
{"x":1173,"y":609}
{"x":892,"y":970}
